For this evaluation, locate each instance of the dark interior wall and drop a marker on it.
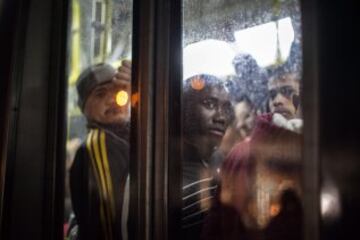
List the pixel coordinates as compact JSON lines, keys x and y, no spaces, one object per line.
{"x":9,"y":14}
{"x":34,"y":161}
{"x":339,"y":110}
{"x":25,"y":161}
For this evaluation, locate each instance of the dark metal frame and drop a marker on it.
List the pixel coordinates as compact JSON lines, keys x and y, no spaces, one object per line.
{"x":9,"y":16}
{"x":310,"y":101}
{"x":156,"y":87}
{"x":33,"y":194}
{"x":141,"y":140}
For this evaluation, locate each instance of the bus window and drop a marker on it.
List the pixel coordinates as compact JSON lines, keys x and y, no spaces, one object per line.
{"x":242,"y":120}
{"x":97,"y":163}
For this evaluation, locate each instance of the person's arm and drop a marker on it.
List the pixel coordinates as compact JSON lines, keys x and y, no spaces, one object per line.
{"x":85,"y":197}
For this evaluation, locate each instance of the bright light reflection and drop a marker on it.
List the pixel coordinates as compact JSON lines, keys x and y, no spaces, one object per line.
{"x":261,"y":41}
{"x":122,"y":98}
{"x":330,"y":203}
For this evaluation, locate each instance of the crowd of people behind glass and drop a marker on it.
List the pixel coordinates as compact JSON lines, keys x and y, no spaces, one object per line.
{"x":242,"y":152}
{"x":240,"y":156}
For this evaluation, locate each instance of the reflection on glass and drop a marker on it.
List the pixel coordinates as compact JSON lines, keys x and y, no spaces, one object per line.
{"x":242,"y":126}
{"x":97,"y":164}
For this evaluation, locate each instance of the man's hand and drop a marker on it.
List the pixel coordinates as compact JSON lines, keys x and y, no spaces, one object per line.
{"x":124,"y":72}
{"x":123,"y":76}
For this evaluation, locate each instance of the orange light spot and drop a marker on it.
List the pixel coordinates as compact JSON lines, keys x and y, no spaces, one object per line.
{"x":197,"y":83}
{"x":274,"y":209}
{"x":134,"y":99}
{"x":122,"y":98}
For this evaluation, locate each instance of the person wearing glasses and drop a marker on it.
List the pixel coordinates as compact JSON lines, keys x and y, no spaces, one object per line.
{"x":99,"y":174}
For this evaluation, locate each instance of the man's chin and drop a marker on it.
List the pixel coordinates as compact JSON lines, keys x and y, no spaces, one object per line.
{"x":116,"y":119}
{"x":214,"y":141}
{"x":285,"y":114}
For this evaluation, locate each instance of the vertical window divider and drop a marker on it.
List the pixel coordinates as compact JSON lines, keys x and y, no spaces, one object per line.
{"x":155,"y":163}
{"x":310,"y":100}
{"x":141,"y":138}
{"x":167,"y":163}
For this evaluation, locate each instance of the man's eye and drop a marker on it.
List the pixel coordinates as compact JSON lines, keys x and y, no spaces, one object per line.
{"x":272,"y":93}
{"x":210,"y":104}
{"x":287,"y":91}
{"x":100,"y":94}
{"x":228,"y":109}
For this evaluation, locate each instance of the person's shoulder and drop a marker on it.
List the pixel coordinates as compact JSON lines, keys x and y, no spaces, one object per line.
{"x":101,"y":135}
{"x":112,"y":138}
{"x":239,"y":155}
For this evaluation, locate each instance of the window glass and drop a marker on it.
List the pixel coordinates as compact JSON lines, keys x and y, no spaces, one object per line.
{"x":97,"y":160}
{"x":242,"y":121}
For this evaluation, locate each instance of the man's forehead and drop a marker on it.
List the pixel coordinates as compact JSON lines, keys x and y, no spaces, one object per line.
{"x":216,"y":92}
{"x":108,"y":86}
{"x":284,"y":80}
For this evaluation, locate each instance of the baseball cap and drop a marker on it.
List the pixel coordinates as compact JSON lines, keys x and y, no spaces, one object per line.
{"x":90,"y":78}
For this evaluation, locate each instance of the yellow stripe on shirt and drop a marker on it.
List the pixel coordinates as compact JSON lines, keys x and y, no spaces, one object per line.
{"x":107,"y":173}
{"x":102,"y":174}
{"x":97,"y":178}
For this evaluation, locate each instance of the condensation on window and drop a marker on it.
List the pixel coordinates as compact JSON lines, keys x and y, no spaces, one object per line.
{"x":98,"y":118}
{"x":242,"y":120}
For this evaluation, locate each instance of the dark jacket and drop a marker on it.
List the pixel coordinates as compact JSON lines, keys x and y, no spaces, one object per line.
{"x":98,"y":179}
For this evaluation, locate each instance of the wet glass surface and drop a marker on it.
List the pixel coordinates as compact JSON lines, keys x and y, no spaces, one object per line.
{"x":242,"y":121}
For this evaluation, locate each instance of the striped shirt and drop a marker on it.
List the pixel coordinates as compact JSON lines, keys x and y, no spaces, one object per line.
{"x":198,"y":191}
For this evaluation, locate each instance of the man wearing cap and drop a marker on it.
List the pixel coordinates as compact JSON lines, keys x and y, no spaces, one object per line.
{"x":99,"y":175}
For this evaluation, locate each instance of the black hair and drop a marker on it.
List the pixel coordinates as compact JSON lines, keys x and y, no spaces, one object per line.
{"x":281,"y":72}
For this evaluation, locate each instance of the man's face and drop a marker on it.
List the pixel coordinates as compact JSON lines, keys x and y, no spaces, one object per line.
{"x":284,"y":96}
{"x":212,"y":113}
{"x":244,"y":118}
{"x":101,"y":106}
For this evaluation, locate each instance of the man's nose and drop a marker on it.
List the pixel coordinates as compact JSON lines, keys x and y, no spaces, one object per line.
{"x":278,"y":100}
{"x":111,"y":99}
{"x":219,"y":116}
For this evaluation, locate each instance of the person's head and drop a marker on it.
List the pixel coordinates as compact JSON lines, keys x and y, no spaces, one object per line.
{"x":284,"y":94}
{"x":250,"y":79}
{"x":244,"y":115}
{"x":207,"y":111}
{"x":246,"y":66}
{"x":97,"y":91}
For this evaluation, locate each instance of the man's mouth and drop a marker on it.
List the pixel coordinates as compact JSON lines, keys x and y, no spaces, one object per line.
{"x":112,"y":111}
{"x":283,"y":112}
{"x":219,"y":132}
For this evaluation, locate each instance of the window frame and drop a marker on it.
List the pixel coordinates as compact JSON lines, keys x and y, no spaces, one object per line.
{"x":155,"y":137}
